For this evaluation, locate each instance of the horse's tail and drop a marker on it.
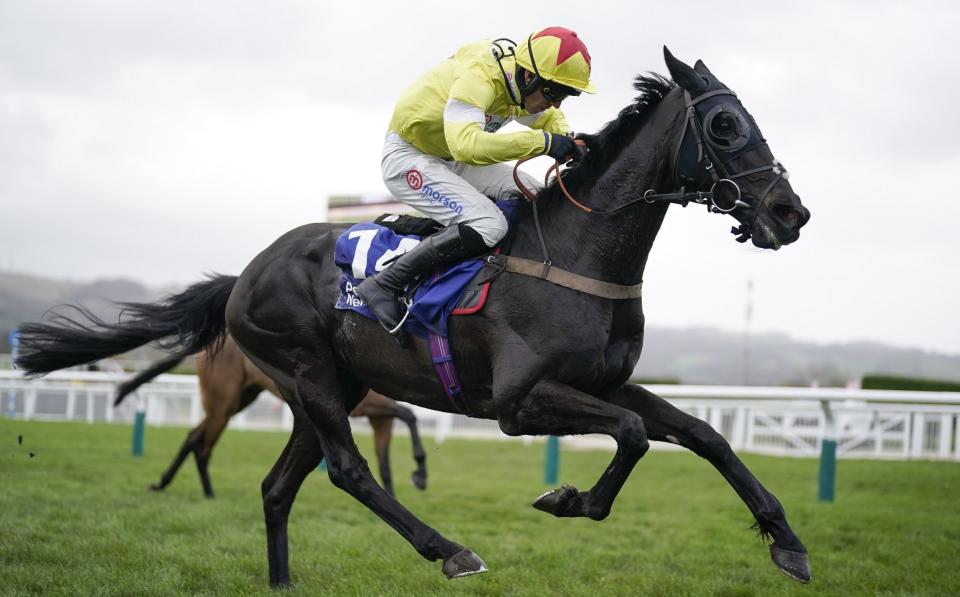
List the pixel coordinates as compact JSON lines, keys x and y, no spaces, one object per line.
{"x":161,"y":366}
{"x":184,"y":323}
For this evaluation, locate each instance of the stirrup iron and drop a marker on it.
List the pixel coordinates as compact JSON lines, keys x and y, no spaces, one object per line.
{"x":403,"y":320}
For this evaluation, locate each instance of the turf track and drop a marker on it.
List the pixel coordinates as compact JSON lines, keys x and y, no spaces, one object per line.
{"x":76,"y":519}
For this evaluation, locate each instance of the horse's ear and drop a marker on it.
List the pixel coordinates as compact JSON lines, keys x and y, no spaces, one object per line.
{"x":701,"y":68}
{"x":683,"y":75}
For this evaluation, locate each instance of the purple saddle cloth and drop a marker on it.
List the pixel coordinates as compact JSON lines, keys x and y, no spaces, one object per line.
{"x":367,"y":248}
{"x":363,"y":250}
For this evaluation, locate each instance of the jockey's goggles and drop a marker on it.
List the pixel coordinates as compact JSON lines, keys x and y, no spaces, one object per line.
{"x":556,"y":93}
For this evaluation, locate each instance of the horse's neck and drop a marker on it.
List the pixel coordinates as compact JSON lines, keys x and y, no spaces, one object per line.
{"x":614,"y":247}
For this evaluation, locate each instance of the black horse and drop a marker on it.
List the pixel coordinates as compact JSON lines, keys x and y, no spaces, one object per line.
{"x":540,"y":358}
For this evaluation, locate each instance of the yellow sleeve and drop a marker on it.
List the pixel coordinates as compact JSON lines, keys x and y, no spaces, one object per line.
{"x":551,"y":120}
{"x":463,"y":121}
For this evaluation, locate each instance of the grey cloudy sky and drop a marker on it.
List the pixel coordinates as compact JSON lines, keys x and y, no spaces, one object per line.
{"x":163,"y":140}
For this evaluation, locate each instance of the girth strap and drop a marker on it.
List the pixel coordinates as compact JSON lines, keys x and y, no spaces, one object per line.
{"x":560,"y":277}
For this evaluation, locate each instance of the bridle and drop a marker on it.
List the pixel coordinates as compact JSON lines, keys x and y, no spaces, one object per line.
{"x":724,"y":195}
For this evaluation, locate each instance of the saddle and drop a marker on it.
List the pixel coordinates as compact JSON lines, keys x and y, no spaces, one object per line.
{"x":368,"y":247}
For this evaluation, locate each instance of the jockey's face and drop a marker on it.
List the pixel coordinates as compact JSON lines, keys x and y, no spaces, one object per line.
{"x":536,"y":101}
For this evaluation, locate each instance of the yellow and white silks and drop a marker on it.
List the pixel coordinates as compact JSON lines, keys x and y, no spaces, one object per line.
{"x":442,"y":153}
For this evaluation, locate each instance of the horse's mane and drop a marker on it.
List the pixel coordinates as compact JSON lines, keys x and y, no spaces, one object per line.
{"x":607,"y":144}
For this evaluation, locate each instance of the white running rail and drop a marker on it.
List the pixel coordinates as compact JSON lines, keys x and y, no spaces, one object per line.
{"x":780,"y":421}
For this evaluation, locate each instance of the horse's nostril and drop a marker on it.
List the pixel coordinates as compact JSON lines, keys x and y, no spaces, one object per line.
{"x":788,"y":215}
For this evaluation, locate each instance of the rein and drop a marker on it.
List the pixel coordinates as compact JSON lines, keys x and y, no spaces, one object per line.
{"x":723,"y":197}
{"x":544,"y":270}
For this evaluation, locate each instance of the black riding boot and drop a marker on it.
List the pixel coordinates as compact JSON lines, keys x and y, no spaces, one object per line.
{"x":449,"y":246}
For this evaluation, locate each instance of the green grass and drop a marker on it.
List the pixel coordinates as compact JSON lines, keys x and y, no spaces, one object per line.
{"x":77,"y":520}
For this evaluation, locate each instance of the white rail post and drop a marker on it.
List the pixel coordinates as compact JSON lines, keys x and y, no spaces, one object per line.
{"x":11,"y":402}
{"x":443,"y":427}
{"x":905,"y":437}
{"x":956,"y":454}
{"x":196,"y":408}
{"x":918,"y":429}
{"x":71,"y":403}
{"x":946,"y":433}
{"x":108,"y":407}
{"x":714,"y":416}
{"x":739,"y":428}
{"x":91,"y":406}
{"x":30,"y":403}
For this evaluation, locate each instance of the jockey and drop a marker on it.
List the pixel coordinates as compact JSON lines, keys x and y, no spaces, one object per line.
{"x":442,"y":157}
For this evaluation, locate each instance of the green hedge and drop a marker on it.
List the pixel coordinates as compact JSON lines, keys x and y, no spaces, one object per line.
{"x":890,"y":382}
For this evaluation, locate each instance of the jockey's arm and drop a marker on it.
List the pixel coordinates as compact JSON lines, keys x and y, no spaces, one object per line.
{"x":469,"y":143}
{"x":550,"y":120}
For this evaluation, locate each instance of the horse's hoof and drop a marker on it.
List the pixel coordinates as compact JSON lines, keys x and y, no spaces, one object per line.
{"x":156,"y":487}
{"x":419,"y":481}
{"x":463,"y":563}
{"x":794,"y":564}
{"x":563,"y":501}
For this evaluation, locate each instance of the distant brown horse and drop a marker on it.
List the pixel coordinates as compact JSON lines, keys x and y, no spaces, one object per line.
{"x":229,"y":383}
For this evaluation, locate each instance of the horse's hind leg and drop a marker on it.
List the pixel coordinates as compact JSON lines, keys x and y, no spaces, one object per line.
{"x":667,"y":423}
{"x":216,"y":423}
{"x":375,"y":404}
{"x":191,"y":444}
{"x":214,"y":428}
{"x":419,"y":476}
{"x":382,"y":431}
{"x":324,"y":399}
{"x":301,"y":455}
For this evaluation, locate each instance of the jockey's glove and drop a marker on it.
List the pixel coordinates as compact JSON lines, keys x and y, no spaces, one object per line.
{"x":563,"y":148}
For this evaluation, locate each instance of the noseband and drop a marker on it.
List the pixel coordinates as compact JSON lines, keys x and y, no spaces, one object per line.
{"x":724,"y":195}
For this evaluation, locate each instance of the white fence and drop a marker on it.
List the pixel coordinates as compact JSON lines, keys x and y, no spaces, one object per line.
{"x":781,"y":421}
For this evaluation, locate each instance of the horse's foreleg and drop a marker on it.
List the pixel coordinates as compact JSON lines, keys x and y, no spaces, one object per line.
{"x":382,"y":431}
{"x":301,"y":455}
{"x":667,"y":423}
{"x":321,"y":392}
{"x":557,"y":409}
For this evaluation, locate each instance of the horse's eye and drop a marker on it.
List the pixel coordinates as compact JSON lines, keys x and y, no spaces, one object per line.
{"x":724,"y":125}
{"x":726,"y":128}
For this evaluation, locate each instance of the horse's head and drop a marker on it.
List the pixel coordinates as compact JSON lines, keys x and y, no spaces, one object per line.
{"x":723,"y":152}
